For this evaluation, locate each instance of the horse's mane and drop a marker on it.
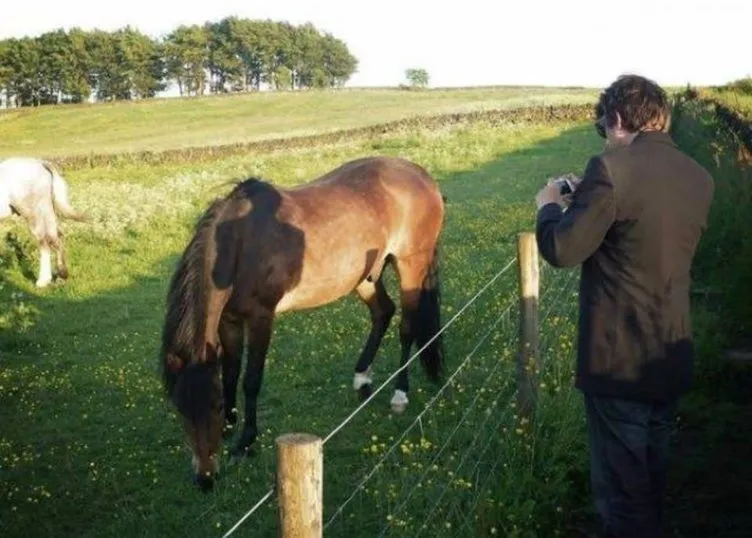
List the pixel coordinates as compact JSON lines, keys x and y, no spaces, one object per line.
{"x":186,"y":296}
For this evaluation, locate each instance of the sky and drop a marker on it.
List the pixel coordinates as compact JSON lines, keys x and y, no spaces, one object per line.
{"x":467,"y":42}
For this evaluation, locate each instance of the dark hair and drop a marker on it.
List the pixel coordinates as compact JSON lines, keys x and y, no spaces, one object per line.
{"x":600,"y":112}
{"x":640,"y":102}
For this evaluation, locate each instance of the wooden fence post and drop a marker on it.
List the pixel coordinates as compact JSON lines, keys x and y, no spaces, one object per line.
{"x":527,"y":357}
{"x":300,"y":469}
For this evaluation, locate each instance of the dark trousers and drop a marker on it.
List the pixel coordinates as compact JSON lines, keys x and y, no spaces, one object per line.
{"x":629,"y":452}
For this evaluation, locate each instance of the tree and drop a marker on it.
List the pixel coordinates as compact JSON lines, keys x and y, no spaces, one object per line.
{"x":308,"y":54}
{"x":186,"y":57}
{"x":276,"y":51}
{"x":54,"y":57}
{"x":77,"y":86}
{"x":6,"y":73}
{"x":339,"y":64}
{"x":140,"y":66}
{"x":104,"y":78}
{"x":21,"y":61}
{"x":417,"y":77}
{"x":233,"y":54}
{"x":225,"y":65}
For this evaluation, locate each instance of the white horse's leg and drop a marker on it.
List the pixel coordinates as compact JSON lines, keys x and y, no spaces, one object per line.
{"x":45,"y":266}
{"x":62,"y":266}
{"x":44,"y":229}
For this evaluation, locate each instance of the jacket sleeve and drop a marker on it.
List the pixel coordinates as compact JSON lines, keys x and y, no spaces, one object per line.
{"x":566,"y":239}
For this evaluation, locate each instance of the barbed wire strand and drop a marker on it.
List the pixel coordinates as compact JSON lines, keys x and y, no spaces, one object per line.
{"x":251,"y":511}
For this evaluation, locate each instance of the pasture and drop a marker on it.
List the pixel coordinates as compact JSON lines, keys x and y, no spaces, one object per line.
{"x":738,"y":102}
{"x":160,"y":124}
{"x":88,"y":444}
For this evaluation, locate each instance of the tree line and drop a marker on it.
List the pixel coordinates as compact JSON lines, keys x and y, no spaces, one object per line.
{"x":230,"y":55}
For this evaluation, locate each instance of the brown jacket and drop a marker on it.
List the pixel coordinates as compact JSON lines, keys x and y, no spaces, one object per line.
{"x":634,"y":225}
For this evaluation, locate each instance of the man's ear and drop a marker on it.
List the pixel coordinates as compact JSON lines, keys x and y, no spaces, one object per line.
{"x":618,"y":124}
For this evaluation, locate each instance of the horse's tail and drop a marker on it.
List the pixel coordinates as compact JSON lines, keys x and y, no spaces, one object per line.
{"x":60,"y":196}
{"x":428,"y":322}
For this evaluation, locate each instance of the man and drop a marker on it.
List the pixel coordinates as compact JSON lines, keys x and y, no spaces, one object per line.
{"x":633,"y":223}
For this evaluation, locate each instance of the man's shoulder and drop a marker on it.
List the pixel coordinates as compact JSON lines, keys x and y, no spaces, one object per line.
{"x":671,"y":155}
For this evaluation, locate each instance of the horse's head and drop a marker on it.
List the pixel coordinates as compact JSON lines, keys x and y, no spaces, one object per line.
{"x":196,"y":391}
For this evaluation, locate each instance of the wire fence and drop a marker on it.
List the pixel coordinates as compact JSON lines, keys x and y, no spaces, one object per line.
{"x":441,"y":474}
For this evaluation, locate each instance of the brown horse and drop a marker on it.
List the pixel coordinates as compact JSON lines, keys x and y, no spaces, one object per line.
{"x":264,"y":250}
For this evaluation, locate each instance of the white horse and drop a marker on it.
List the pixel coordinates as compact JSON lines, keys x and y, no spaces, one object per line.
{"x":34,"y":189}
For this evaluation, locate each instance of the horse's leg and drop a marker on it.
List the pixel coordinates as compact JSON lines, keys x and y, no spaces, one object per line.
{"x":45,"y":264}
{"x":231,"y":340}
{"x":411,"y":272}
{"x":382,"y":310}
{"x":62,"y":266}
{"x":42,"y":230}
{"x":259,"y":335}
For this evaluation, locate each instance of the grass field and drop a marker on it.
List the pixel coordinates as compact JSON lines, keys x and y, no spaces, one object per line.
{"x":190,"y":122}
{"x":739,"y":102}
{"x":89,"y":447}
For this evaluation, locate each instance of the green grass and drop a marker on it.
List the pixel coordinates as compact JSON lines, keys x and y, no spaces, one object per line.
{"x":708,"y":141}
{"x":710,"y":472}
{"x":192,"y":122}
{"x":89,"y":447}
{"x":742,"y":103}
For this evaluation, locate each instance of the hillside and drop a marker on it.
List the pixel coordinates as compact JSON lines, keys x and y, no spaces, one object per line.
{"x":161,"y":124}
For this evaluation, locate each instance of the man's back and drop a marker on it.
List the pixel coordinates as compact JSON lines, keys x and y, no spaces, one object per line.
{"x":635,"y":328}
{"x":633,"y":223}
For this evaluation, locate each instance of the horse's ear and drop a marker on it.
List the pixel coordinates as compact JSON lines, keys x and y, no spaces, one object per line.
{"x":174,"y":364}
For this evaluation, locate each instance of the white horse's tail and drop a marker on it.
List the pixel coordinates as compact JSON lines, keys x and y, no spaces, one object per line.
{"x":60,"y":196}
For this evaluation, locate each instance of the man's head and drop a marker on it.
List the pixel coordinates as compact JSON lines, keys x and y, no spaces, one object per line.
{"x":629,"y":105}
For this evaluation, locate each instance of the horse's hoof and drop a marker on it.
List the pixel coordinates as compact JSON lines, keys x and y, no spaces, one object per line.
{"x":243,"y":449}
{"x":204,"y":483}
{"x":399,"y":402}
{"x":42,"y":283}
{"x":398,"y":409}
{"x":364,"y":392}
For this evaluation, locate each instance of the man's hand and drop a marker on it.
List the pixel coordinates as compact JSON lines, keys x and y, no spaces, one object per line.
{"x":549,"y":194}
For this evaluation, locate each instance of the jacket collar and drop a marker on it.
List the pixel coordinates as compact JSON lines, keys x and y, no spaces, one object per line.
{"x":654,"y":136}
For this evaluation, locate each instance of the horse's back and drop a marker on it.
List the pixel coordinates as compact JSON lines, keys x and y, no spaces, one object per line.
{"x":24,"y":173}
{"x":24,"y":183}
{"x":375,"y":172}
{"x":353,"y":219}
{"x":379,"y":187}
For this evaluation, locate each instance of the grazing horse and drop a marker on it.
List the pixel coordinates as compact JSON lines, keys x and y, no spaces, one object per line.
{"x":34,"y":189}
{"x":263,"y":250}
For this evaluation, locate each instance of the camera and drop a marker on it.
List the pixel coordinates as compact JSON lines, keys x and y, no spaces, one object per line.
{"x":565,"y":186}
